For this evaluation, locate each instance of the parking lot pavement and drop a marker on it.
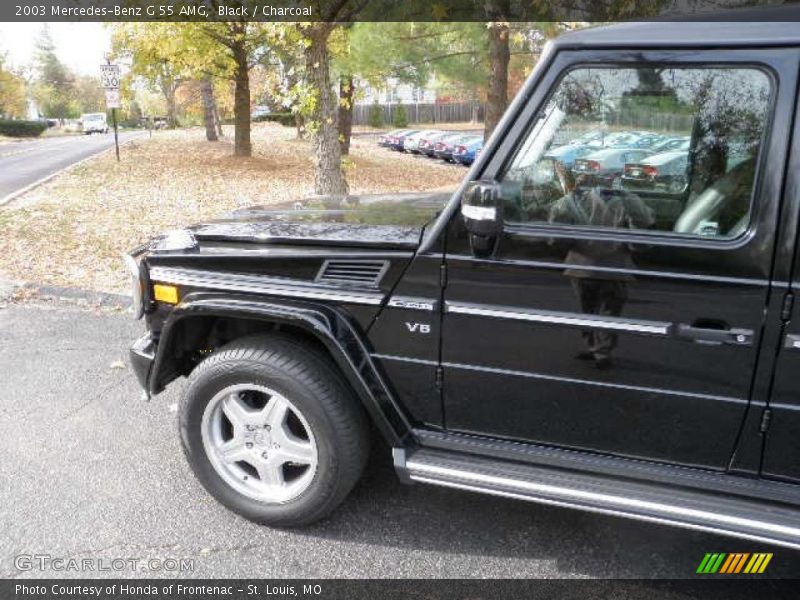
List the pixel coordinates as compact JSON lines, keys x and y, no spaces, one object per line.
{"x":91,"y":471}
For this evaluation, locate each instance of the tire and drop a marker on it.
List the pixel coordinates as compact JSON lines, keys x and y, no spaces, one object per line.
{"x":326,"y":417}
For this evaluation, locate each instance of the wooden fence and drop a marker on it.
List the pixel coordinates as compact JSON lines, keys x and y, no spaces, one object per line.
{"x":455,"y":112}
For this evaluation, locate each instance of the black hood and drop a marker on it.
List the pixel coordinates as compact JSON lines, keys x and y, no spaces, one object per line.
{"x":386,"y":220}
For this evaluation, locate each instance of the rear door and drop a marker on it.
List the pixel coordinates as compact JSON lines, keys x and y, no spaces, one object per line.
{"x":600,"y":322}
{"x":781,"y":421}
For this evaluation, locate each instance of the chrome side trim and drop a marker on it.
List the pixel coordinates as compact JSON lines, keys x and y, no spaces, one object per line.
{"x":559,"y":318}
{"x":644,"y":510}
{"x":418,"y":361}
{"x":255,"y":284}
{"x":606,"y":511}
{"x":592,"y":382}
{"x":410,"y":303}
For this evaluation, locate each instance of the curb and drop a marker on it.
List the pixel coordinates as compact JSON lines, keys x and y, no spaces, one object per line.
{"x":90,"y":296}
{"x":8,"y":198}
{"x":68,"y":293}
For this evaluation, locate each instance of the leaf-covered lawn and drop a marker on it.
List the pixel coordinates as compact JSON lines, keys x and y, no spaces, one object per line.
{"x":71,"y":231}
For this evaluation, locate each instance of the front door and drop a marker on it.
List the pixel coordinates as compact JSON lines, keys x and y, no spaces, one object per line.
{"x":621,"y":309}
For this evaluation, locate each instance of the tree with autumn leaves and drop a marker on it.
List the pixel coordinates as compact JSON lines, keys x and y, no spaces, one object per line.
{"x":332,"y":49}
{"x":12,"y":92}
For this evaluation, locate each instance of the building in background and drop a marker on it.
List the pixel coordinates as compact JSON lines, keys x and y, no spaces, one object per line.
{"x":396,"y":92}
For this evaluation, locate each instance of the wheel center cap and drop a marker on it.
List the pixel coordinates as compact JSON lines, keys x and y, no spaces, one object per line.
{"x":261,"y":438}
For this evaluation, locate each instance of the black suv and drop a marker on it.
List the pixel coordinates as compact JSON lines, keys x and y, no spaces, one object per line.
{"x":540,"y":334}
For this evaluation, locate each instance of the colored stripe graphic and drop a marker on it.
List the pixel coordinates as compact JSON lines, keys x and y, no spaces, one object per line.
{"x":711,"y":563}
{"x":758,"y":563}
{"x":733,"y":563}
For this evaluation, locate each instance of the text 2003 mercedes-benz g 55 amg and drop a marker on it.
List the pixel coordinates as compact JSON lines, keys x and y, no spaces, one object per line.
{"x":601,"y":317}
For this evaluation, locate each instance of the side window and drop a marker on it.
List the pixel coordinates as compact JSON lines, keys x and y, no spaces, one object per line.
{"x":657,"y":148}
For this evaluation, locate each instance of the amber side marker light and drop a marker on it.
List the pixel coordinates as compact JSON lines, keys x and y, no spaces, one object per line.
{"x":165,"y":293}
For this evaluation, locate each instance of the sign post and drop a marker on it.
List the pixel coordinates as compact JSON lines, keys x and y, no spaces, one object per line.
{"x":109,"y":75}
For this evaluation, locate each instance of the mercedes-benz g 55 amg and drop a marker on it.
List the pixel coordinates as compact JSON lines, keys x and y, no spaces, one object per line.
{"x":548,"y":332}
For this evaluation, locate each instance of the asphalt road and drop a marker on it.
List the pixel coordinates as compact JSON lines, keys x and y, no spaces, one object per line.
{"x":91,"y":471}
{"x":23,"y":163}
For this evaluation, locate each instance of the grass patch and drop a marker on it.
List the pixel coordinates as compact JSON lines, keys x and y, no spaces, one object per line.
{"x":71,"y":230}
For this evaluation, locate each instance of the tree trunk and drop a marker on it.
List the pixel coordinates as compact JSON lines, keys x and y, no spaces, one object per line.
{"x":241,"y":101}
{"x":169,"y":97}
{"x":345,"y":117}
{"x":218,"y":120}
{"x":207,"y":91}
{"x":327,"y":159}
{"x":499,"y":56}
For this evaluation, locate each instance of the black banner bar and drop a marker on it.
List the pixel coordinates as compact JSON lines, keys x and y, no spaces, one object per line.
{"x":389,"y":10}
{"x":732,"y":588}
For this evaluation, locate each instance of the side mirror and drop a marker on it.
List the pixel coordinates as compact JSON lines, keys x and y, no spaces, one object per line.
{"x":481,"y":207}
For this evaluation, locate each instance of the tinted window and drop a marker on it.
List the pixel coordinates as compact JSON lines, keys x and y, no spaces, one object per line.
{"x":595,"y":155}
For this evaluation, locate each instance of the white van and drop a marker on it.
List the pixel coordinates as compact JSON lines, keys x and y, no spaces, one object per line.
{"x":94,"y":122}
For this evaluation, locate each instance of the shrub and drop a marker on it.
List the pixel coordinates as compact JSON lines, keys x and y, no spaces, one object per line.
{"x":284,"y":118}
{"x":375,"y":118}
{"x":22,"y":128}
{"x":400,"y":118}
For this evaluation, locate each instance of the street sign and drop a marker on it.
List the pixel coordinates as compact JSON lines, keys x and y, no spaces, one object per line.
{"x":112,"y":98}
{"x":109,"y":76}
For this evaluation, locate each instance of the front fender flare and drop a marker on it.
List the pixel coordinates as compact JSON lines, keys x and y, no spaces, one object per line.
{"x":327,"y":324}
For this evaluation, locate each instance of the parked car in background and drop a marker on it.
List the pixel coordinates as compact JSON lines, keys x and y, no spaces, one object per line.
{"x":443,"y":149}
{"x":385,"y":139}
{"x":662,"y":173}
{"x":426,"y":144}
{"x":604,"y":167}
{"x":590,"y":138}
{"x":620,"y":139}
{"x":673,"y":143}
{"x":396,"y":142}
{"x":467,"y":150}
{"x":411,"y":143}
{"x":568,"y":153}
{"x":94,"y":123}
{"x":647,"y":139}
{"x":599,"y":138}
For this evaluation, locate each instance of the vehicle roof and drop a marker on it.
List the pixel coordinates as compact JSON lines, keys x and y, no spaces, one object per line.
{"x":765,"y":26}
{"x":611,"y":151}
{"x":663,"y":157}
{"x":559,"y":150}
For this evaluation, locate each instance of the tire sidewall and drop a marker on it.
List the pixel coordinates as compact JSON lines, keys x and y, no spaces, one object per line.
{"x":227,"y":373}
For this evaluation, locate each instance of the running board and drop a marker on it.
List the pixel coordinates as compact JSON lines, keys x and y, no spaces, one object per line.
{"x":656,"y":503}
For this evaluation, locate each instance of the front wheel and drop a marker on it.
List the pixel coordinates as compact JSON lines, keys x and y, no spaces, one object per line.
{"x":272,"y":431}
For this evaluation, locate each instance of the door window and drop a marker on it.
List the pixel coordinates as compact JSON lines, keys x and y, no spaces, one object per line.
{"x":653,"y":148}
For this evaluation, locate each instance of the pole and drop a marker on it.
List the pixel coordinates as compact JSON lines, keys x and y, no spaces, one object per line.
{"x":116,"y":136}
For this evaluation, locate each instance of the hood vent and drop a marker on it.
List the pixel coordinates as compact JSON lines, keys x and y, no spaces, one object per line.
{"x":363,"y":272}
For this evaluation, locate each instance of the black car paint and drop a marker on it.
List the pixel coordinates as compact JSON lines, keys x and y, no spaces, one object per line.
{"x":726,"y":408}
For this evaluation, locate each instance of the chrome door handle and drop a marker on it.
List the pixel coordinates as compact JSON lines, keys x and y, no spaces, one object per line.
{"x":707,"y":335}
{"x":792,"y":341}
